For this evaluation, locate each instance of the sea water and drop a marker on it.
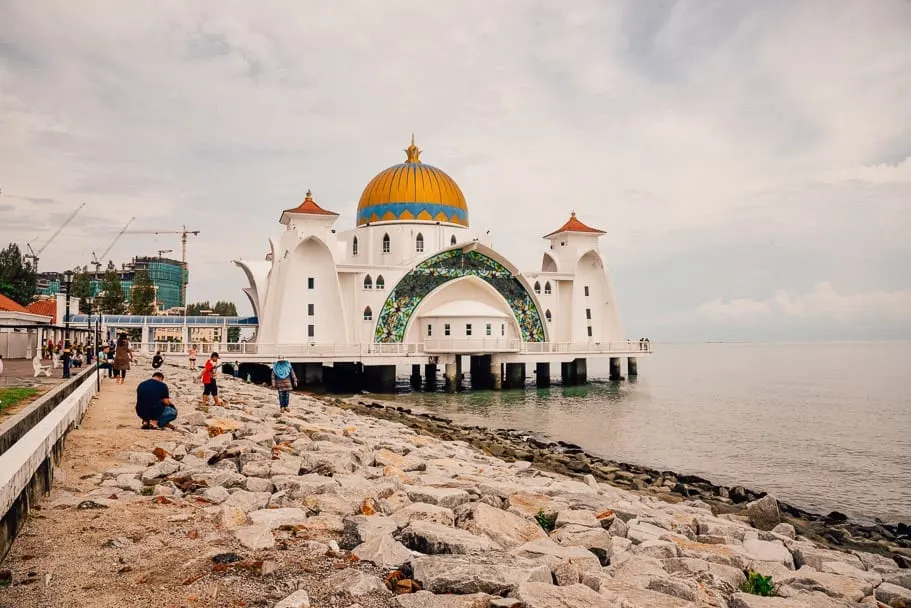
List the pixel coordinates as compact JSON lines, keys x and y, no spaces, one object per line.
{"x":823,"y":426}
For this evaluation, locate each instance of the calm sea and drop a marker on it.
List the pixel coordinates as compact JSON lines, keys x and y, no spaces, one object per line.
{"x":823,"y":426}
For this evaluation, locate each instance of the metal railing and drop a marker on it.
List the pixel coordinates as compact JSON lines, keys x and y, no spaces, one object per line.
{"x":372,"y":349}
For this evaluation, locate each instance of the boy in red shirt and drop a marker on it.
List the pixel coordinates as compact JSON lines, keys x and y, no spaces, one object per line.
{"x":208,"y":381}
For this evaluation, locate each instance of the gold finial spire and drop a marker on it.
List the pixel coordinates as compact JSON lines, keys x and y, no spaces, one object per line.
{"x":309,"y":195}
{"x":412,"y":152}
{"x":572,"y":213}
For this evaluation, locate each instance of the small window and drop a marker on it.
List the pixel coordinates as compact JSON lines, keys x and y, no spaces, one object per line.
{"x":562,"y":243}
{"x":368,"y":314}
{"x":537,"y":287}
{"x":547,"y":288}
{"x":452,"y":241}
{"x":586,"y":291}
{"x":468,"y":329}
{"x":588,"y":314}
{"x":380,"y":282}
{"x":446,"y":329}
{"x":311,"y":310}
{"x":429,"y":330}
{"x":386,"y":244}
{"x":354,"y":246}
{"x":489,"y":329}
{"x":419,"y":243}
{"x":311,"y":331}
{"x":589,"y":331}
{"x":368,"y":282}
{"x":548,"y":316}
{"x":503,"y":329}
{"x":309,"y":282}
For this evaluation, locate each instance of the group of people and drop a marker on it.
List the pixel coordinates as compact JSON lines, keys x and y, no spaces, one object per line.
{"x":116,"y":357}
{"x":153,"y":400}
{"x":644,"y":344}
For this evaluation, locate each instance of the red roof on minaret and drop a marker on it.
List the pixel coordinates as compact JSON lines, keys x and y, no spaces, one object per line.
{"x":309,"y":206}
{"x":574,"y":225}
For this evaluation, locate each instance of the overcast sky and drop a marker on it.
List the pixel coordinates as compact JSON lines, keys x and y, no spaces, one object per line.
{"x":750,"y":161}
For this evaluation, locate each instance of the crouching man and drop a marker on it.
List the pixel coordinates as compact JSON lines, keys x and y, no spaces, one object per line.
{"x":153,"y":402}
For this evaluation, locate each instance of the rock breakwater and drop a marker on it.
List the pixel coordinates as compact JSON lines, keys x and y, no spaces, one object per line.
{"x":408,"y":518}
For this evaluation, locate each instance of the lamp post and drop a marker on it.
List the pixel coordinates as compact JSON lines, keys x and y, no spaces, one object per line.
{"x":67,"y":355}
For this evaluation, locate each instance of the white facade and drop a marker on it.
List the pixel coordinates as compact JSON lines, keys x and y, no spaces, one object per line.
{"x":436,"y":286}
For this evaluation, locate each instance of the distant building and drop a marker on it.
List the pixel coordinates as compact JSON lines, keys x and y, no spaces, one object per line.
{"x":167,"y":277}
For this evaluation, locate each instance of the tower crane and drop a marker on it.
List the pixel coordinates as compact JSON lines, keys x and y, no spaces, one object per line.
{"x":34,"y":255}
{"x":96,"y":260}
{"x":161,"y":252}
{"x":184,"y":233}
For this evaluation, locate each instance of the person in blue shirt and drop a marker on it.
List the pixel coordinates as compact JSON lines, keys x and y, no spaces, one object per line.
{"x":153,"y":402}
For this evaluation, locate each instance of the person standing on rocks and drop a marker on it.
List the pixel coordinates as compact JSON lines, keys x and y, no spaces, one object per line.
{"x":191,"y":356}
{"x":153,"y":402}
{"x":284,"y":381}
{"x":208,"y":381}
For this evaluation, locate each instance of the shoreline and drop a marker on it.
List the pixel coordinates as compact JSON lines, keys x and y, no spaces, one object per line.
{"x":834,"y":529}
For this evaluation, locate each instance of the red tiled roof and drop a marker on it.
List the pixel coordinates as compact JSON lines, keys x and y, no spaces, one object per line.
{"x":47,"y":308}
{"x":9,"y":305}
{"x":309,"y":206}
{"x":574,"y":225}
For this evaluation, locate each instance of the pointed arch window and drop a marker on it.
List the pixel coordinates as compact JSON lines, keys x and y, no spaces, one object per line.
{"x":354,"y":246}
{"x":452,"y":241}
{"x":548,"y":316}
{"x":368,"y":282}
{"x":368,"y":314}
{"x":547,"y":288}
{"x":387,"y":245}
{"x":380,"y":282}
{"x":419,"y":243}
{"x":537,"y":287}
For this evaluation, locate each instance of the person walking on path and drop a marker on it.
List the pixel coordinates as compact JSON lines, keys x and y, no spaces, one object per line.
{"x":153,"y":402}
{"x":191,"y":356}
{"x":123,"y":356}
{"x":284,"y":381}
{"x":210,"y":387}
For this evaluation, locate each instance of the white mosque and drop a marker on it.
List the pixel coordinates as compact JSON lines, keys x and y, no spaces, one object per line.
{"x":413,"y":284}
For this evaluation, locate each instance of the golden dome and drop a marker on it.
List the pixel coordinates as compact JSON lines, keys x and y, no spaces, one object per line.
{"x":412,"y":191}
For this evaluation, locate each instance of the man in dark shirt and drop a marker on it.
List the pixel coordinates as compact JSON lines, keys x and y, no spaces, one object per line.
{"x":153,"y":402}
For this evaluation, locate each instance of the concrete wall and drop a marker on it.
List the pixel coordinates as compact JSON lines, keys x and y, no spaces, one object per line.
{"x":17,"y":344}
{"x":31,"y":443}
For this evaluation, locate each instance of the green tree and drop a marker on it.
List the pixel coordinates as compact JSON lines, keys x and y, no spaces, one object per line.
{"x":221,"y":308}
{"x":110,"y":298}
{"x":195,"y":309}
{"x":82,"y":289}
{"x":17,"y":276}
{"x":142,"y":298}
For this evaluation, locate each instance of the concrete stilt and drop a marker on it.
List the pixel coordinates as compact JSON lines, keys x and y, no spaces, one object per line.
{"x":496,"y":374}
{"x":581,"y":366}
{"x":380,"y":378}
{"x":568,"y":373}
{"x":615,"y":373}
{"x":312,"y":373}
{"x":450,"y":383}
{"x":459,"y":375}
{"x":480,"y":372}
{"x":632,"y":366}
{"x":515,"y":375}
{"x":416,"y":378}
{"x":542,"y":375}
{"x":430,"y":377}
{"x":344,"y":377}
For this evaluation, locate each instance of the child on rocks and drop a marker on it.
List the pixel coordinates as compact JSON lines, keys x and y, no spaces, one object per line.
{"x":283,"y":380}
{"x":208,"y":381}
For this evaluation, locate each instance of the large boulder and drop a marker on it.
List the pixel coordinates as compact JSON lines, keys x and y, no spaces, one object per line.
{"x":421,"y":511}
{"x":543,"y":595}
{"x":620,"y":593}
{"x":806,"y":554}
{"x":494,"y":573}
{"x":768,"y":551}
{"x":596,"y":540}
{"x":804,"y":600}
{"x":548,"y":552}
{"x":833,"y":585}
{"x":435,"y":539}
{"x":764,"y":513}
{"x":577,"y":517}
{"x":506,"y":529}
{"x":362,"y":528}
{"x":893,"y":595}
{"x":248,"y":501}
{"x":357,"y":583}
{"x":255,"y":537}
{"x":442,"y":497}
{"x":276,"y":518}
{"x":425,"y":599}
{"x":384,"y":552}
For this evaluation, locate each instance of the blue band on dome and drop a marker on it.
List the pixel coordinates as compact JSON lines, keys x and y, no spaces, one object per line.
{"x":397,"y":209}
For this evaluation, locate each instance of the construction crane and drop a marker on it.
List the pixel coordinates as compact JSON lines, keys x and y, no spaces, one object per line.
{"x":184,"y":233}
{"x":161,"y":252}
{"x":34,"y":255}
{"x":96,"y":260}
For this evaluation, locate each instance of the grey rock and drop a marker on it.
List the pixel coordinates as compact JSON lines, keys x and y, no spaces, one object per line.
{"x":623,"y":594}
{"x":258,"y":484}
{"x":302,"y":486}
{"x":733,"y":577}
{"x":833,"y":585}
{"x":548,"y":552}
{"x":542,"y":595}
{"x":764,"y":513}
{"x":806,"y":554}
{"x":685,"y":590}
{"x":659,"y":549}
{"x":443,"y":497}
{"x":161,"y":469}
{"x":768,"y":551}
{"x":872,"y":560}
{"x":357,"y":583}
{"x":255,"y":537}
{"x":216,"y":495}
{"x":248,"y":501}
{"x":493,"y":573}
{"x":785,"y":529}
{"x":566,"y":573}
{"x":804,"y":600}
{"x":362,"y":528}
{"x":506,"y":529}
{"x":425,"y":599}
{"x":421,"y":511}
{"x":893,"y":595}
{"x":129,"y":482}
{"x":298,"y":599}
{"x":577,"y":517}
{"x":427,"y":537}
{"x":596,"y":540}
{"x":384,"y":552}
{"x":902,"y":578}
{"x":276,"y":518}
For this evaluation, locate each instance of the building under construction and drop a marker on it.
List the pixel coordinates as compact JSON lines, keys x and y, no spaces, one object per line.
{"x":167,"y":276}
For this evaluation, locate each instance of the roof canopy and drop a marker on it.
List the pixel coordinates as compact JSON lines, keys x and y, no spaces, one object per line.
{"x":309,"y":207}
{"x":574,"y":225}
